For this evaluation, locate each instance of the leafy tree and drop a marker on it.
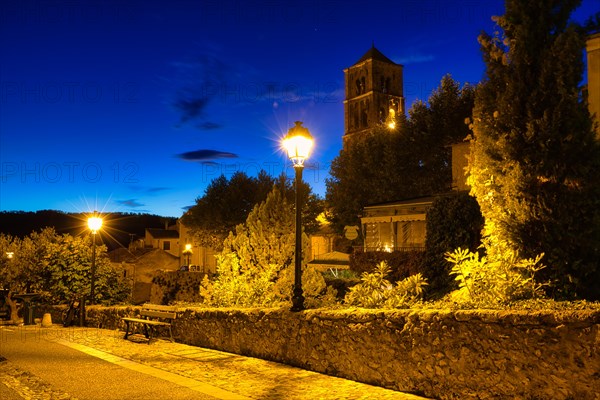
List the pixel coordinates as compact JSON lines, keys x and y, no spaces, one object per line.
{"x":57,"y":267}
{"x":227,"y":203}
{"x":66,"y":270}
{"x":255,"y":265}
{"x":534,"y":166}
{"x":411,"y":161}
{"x":313,"y":205}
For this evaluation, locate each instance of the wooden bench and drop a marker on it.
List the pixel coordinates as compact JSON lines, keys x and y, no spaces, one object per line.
{"x":152,"y":317}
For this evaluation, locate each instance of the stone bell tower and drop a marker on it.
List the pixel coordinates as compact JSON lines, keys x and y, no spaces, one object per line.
{"x":374,"y":93}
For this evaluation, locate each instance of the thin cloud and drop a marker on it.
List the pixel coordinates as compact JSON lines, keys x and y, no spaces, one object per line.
{"x":152,"y":189}
{"x":156,"y":189}
{"x":209,"y":126}
{"x":202,"y":77}
{"x":131,"y":203}
{"x":414,"y":59}
{"x":205,"y":155}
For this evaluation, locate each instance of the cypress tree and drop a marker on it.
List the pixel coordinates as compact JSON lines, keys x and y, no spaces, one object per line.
{"x":535,"y":160}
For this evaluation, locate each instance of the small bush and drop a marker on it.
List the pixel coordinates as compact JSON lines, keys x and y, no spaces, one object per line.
{"x":486,"y":281}
{"x":376,"y":291}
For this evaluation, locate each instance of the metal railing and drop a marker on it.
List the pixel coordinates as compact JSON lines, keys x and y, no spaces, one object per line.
{"x":364,"y":249}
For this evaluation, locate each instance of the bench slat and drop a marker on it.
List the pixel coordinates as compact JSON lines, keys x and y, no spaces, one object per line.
{"x":152,"y":311}
{"x":159,"y":307}
{"x":146,"y":321}
{"x":158,"y":314}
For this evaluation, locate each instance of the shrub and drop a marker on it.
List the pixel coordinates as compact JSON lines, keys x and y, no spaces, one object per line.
{"x":402,"y":264}
{"x":376,"y":291}
{"x":172,"y":286}
{"x":486,"y":281}
{"x":255,"y":268}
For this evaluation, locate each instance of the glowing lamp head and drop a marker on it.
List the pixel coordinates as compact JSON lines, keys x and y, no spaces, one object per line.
{"x":94,"y":223}
{"x":298,"y":143}
{"x":188,"y":247}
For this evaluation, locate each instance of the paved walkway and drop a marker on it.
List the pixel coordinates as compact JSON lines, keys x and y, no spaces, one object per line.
{"x":104,"y":364}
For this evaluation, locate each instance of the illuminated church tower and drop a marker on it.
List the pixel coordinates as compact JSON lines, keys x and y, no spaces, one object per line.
{"x":374,"y":93}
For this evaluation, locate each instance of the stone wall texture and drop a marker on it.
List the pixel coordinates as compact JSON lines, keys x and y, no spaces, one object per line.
{"x":440,"y":354}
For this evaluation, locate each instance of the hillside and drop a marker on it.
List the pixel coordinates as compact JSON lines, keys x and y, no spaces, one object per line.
{"x":118,"y":229}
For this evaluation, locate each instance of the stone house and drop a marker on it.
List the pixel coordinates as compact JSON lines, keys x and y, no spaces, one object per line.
{"x":164,"y":239}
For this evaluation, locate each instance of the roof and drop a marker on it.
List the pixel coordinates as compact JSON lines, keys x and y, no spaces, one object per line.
{"x":163,"y":233}
{"x":121,"y":255}
{"x":416,"y":200}
{"x":332,"y":259}
{"x":374,"y":54}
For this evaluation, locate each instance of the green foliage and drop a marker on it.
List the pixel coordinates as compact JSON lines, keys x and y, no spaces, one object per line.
{"x":335,"y":273}
{"x":255,"y":268}
{"x":176,"y":286}
{"x":486,"y":282}
{"x":59,"y":268}
{"x":376,"y":291}
{"x":402,"y":264}
{"x":227,"y":203}
{"x":236,"y":286}
{"x":535,"y":160}
{"x":452,"y":222}
{"x":411,"y":161}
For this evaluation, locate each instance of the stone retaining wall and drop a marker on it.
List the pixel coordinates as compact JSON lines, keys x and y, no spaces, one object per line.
{"x":440,"y":354}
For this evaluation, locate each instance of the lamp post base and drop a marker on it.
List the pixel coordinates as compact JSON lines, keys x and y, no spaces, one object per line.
{"x":297,"y":300}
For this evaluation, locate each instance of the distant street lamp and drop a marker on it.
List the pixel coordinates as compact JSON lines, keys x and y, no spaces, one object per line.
{"x":188,"y":254}
{"x":94,"y":223}
{"x":298,"y":142}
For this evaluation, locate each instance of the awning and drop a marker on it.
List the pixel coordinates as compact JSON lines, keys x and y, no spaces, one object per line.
{"x":393,"y":218}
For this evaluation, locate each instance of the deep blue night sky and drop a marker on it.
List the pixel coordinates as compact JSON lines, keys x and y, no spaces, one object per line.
{"x":135,"y":106}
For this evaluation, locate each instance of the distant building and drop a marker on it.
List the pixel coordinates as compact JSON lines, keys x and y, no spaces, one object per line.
{"x":201,"y":258}
{"x":164,"y":239}
{"x":374,"y":93}
{"x":395,"y":226}
{"x":401,"y":225}
{"x":175,"y":240}
{"x":374,"y":96}
{"x":593,"y":86}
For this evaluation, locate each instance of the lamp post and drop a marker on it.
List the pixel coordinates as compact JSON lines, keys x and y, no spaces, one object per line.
{"x":298,"y":142}
{"x":94,"y":223}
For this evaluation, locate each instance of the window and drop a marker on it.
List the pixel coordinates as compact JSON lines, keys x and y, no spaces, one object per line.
{"x":166,"y":245}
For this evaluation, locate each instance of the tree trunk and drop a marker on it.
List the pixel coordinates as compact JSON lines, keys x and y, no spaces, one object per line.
{"x":14,"y":317}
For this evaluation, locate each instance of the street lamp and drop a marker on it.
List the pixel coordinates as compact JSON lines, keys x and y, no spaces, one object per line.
{"x":188,"y":254}
{"x":94,"y":223}
{"x":298,"y":142}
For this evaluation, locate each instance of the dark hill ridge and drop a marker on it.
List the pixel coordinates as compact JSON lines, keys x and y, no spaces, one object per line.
{"x":118,"y":229}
